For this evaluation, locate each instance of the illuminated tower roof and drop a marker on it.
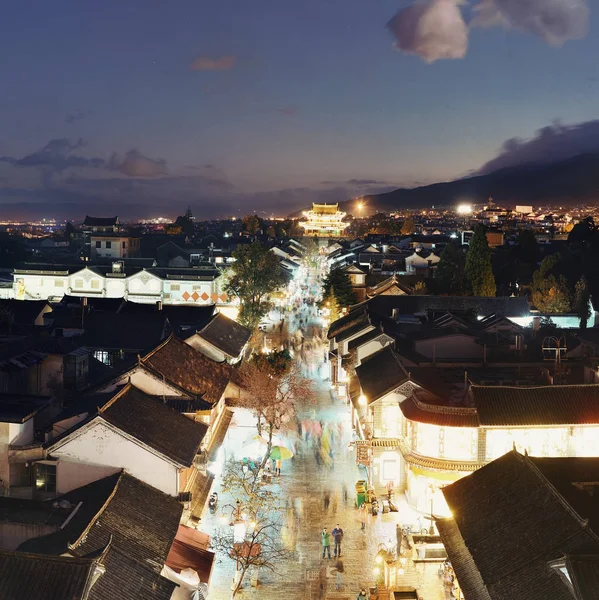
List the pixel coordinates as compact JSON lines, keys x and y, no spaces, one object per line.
{"x":324,"y":220}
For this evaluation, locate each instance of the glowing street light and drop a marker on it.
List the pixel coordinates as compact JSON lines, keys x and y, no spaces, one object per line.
{"x":362,"y":400}
{"x":464,"y":209}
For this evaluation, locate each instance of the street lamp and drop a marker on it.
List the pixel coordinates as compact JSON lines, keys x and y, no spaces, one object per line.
{"x":362,"y":400}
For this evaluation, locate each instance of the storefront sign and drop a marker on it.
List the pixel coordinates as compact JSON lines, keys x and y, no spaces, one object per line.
{"x":363,"y":454}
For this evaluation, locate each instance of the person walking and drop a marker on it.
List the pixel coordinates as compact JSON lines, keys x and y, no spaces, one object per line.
{"x":278,"y":466}
{"x":338,"y":537}
{"x":339,"y":570}
{"x":363,"y":512}
{"x":326,"y":500}
{"x":325,"y":538}
{"x":363,"y":595}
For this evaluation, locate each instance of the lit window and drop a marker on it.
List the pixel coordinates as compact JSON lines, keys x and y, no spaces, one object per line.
{"x":78,"y":283}
{"x":58,"y":283}
{"x":95,"y":284}
{"x":175,"y":287}
{"x":45,"y":477}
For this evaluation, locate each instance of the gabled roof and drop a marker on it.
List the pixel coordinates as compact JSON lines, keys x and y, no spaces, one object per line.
{"x":100,"y":221}
{"x":25,"y":575}
{"x":353,"y":269}
{"x":226,"y":335}
{"x":18,"y":408}
{"x":356,"y":317}
{"x":365,"y":338}
{"x":503,"y":406}
{"x":390,"y":287}
{"x":509,"y":521}
{"x":140,"y":520}
{"x":380,"y":373}
{"x":189,"y":369}
{"x":156,"y":425}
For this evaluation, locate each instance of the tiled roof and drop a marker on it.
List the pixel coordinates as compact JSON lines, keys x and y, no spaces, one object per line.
{"x":187,"y":405}
{"x":24,"y":575}
{"x":584,"y":572}
{"x":226,"y":335}
{"x":141,"y":520}
{"x":148,"y":420}
{"x":511,"y":522}
{"x":18,"y":408}
{"x":547,"y":405}
{"x":360,"y":325}
{"x":129,"y":579}
{"x":189,"y":369}
{"x":416,"y":408}
{"x":92,"y":497}
{"x":100,"y":221}
{"x":380,"y":373}
{"x":349,"y":320}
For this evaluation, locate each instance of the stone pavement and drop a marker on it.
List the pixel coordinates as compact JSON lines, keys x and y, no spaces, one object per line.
{"x":297,"y":579}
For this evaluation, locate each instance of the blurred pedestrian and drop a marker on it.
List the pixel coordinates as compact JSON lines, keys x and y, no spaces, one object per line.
{"x":363,"y":513}
{"x":339,"y":570}
{"x":326,"y":500}
{"x":363,"y":595}
{"x":325,"y":539}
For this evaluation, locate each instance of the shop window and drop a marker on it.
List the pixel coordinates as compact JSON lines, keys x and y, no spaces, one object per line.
{"x":45,"y":477}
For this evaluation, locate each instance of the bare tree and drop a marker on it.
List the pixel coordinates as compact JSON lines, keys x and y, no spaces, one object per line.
{"x":258,"y":514}
{"x":261,"y":547}
{"x":274,"y":390}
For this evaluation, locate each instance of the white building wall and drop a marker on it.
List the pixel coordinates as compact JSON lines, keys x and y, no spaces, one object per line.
{"x":101,"y":446}
{"x":371,"y":347}
{"x":207,"y":349}
{"x":71,"y":474}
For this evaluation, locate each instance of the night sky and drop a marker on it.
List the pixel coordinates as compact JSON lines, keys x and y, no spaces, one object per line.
{"x":265,"y":105}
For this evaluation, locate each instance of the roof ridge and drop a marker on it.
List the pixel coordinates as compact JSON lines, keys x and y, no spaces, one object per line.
{"x":116,"y":397}
{"x":159,"y":347}
{"x":95,"y":518}
{"x":537,"y":387}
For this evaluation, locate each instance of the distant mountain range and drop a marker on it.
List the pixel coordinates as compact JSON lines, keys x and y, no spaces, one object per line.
{"x":574,"y":181}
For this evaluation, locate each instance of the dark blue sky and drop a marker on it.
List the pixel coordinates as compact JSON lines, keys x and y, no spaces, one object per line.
{"x":266,"y":104}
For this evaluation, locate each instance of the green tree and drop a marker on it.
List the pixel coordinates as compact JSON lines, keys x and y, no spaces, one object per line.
{"x":478,"y":270}
{"x":582,"y":299}
{"x":450,"y":270}
{"x":408,"y":227}
{"x":338,"y":283}
{"x":255,"y":275}
{"x":550,"y":293}
{"x":252,"y":225}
